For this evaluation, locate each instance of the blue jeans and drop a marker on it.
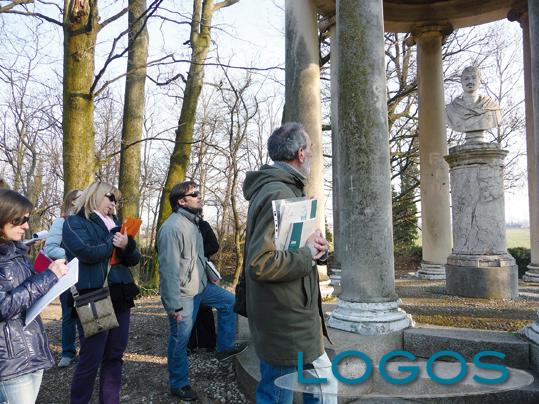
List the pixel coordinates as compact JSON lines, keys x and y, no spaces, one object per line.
{"x":22,"y":389}
{"x":268,"y":393}
{"x":212,"y":296}
{"x":69,"y":327}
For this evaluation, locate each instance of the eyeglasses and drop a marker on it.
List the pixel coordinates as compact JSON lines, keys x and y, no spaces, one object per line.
{"x":111,"y":197}
{"x":194,"y":194}
{"x":19,"y":221}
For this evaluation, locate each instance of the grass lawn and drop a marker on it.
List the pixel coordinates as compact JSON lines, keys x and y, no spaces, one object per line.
{"x":518,"y":238}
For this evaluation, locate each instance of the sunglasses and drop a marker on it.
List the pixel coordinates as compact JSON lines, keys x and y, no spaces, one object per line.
{"x":19,"y":221}
{"x":110,"y":197}
{"x":194,"y":194}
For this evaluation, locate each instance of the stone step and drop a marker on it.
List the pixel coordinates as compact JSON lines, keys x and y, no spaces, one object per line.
{"x":426,"y":340}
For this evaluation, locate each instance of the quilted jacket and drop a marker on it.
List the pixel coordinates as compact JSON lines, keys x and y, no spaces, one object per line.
{"x":23,"y":350}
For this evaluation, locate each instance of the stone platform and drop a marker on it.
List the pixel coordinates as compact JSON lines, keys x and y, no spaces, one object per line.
{"x":428,"y":299}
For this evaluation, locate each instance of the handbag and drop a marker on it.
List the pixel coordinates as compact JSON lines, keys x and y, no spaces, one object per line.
{"x":95,"y":310}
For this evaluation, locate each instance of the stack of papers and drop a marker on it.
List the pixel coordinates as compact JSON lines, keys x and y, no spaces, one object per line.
{"x":295,"y":220}
{"x":64,"y":283}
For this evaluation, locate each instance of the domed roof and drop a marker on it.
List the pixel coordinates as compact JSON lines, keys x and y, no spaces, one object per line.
{"x":403,"y":15}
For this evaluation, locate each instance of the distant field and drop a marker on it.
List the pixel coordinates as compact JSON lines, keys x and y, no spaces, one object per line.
{"x":515,"y":238}
{"x":518,"y":238}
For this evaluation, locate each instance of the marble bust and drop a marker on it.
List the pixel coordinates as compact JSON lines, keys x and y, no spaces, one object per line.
{"x":472,"y":112}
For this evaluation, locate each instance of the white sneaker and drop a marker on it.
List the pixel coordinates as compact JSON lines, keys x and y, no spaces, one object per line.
{"x":65,"y":362}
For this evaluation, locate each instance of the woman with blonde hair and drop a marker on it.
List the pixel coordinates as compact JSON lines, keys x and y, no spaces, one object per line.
{"x":24,"y":348}
{"x":91,"y":235}
{"x":54,"y":250}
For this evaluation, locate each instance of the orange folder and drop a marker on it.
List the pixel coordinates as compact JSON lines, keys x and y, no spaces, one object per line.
{"x":132,"y":226}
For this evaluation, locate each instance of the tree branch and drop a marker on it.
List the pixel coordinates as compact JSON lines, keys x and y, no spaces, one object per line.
{"x":224,"y":3}
{"x":37,"y":15}
{"x":111,"y":19}
{"x":14,"y":3}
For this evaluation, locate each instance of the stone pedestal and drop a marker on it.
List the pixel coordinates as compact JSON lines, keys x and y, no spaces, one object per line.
{"x":479,"y":265}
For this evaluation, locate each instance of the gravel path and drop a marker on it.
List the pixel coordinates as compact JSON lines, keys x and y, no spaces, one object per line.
{"x":145,"y":372}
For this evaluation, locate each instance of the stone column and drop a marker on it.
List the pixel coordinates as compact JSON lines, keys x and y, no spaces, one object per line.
{"x":335,"y":276}
{"x":532,"y":274}
{"x":434,"y":171}
{"x":302,"y":98}
{"x":479,"y":265}
{"x":302,"y":87}
{"x":368,"y":304}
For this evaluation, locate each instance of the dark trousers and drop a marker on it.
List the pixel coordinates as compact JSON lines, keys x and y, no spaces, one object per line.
{"x":106,"y":350}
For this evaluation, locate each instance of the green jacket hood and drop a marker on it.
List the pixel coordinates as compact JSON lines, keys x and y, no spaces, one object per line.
{"x":254,"y":180}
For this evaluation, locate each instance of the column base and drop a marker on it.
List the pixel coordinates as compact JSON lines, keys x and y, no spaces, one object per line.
{"x":531,"y":332}
{"x":431,"y":271}
{"x":483,"y":276}
{"x":369,"y":318}
{"x":532,"y":274}
{"x":335,"y":281}
{"x":326,"y":290}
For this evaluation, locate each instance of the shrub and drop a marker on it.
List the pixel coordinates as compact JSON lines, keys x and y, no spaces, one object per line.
{"x":522,"y":256}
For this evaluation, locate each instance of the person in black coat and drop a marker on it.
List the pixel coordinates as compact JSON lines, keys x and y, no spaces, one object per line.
{"x":203,"y":333}
{"x":24,"y":348}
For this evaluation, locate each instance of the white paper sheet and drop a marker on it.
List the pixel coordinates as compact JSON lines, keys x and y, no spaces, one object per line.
{"x":64,"y":283}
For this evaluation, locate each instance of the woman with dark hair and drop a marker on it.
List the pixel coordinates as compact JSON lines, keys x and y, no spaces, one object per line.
{"x":24,"y":350}
{"x":91,"y":235}
{"x":54,"y":250}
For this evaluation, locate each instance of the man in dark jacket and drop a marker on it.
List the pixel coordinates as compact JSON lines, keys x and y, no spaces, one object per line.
{"x":283,"y":295}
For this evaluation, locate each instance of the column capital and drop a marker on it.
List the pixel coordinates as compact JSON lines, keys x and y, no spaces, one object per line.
{"x":418,"y":31}
{"x":520,"y":15}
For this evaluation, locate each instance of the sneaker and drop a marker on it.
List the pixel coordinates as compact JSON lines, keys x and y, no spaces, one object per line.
{"x":185,"y":393}
{"x":65,"y":361}
{"x":229,"y":353}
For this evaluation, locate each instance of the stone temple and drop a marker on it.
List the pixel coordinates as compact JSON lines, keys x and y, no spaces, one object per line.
{"x":368,"y":316}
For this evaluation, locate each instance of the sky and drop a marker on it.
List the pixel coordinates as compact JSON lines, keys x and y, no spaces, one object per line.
{"x":251,"y":32}
{"x":259,"y":26}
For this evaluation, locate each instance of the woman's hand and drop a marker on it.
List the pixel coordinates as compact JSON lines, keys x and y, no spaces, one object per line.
{"x":58,"y":267}
{"x":120,"y":240}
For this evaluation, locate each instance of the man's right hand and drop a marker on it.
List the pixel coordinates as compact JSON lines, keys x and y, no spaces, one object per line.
{"x":58,"y":267}
{"x":317,"y":244}
{"x":177,"y":315}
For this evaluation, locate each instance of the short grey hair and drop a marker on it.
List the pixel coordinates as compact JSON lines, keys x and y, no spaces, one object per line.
{"x":285,"y":141}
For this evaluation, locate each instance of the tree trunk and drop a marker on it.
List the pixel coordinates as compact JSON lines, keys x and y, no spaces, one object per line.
{"x":133,"y":117}
{"x":200,"y":42}
{"x":80,"y":32}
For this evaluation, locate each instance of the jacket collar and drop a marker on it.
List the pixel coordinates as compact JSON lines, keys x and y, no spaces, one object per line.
{"x":9,"y":249}
{"x":195,"y":219}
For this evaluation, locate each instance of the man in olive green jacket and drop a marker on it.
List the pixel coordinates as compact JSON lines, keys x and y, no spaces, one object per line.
{"x":282,"y":291}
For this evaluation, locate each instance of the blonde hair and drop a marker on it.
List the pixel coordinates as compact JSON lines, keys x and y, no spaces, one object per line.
{"x":93,"y":195}
{"x":71,"y":196}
